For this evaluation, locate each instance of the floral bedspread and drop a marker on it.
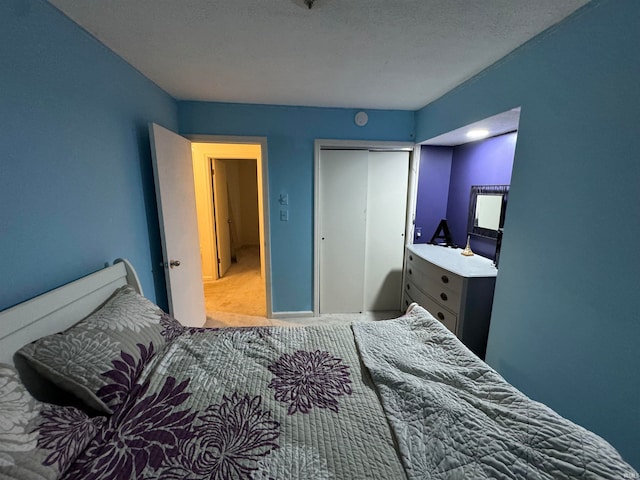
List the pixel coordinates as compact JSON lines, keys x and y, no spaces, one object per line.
{"x":457,"y":418}
{"x":246,"y":403}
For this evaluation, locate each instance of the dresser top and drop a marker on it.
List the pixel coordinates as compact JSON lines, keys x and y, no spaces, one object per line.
{"x":451,"y":259}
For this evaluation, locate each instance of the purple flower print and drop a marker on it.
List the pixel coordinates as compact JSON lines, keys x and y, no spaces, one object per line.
{"x":123,"y":376}
{"x":66,"y":431}
{"x":143,"y":434}
{"x":228,"y":441}
{"x":171,"y":328}
{"x":259,"y":332}
{"x":194,"y":330}
{"x":308,"y":379}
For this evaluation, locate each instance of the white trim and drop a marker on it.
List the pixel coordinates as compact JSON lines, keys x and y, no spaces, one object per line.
{"x":266,"y":248}
{"x":412,"y":202}
{"x":412,"y":191}
{"x":132,"y":275}
{"x":300,"y":314}
{"x":59,"y":309}
{"x":363,"y":144}
{"x":319,"y":144}
{"x":226,"y":139}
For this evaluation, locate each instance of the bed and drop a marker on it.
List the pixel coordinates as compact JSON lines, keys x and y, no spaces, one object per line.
{"x":96,"y":382}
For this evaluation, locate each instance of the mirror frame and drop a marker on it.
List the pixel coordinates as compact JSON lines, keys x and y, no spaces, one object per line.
{"x":476,"y":190}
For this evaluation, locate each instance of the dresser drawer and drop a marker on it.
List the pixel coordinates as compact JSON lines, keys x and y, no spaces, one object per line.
{"x":407,"y":300}
{"x":446,"y":317}
{"x":456,"y":290}
{"x":445,"y":286}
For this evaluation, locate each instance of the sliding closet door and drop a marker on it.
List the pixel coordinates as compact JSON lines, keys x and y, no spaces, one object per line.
{"x":386,"y":213}
{"x":343,"y":204}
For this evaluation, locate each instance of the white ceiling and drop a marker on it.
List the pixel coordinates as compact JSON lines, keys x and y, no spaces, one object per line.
{"x":388,"y":54}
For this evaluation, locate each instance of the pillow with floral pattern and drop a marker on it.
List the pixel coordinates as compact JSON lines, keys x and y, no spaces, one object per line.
{"x":99,"y":359}
{"x":38,"y":441}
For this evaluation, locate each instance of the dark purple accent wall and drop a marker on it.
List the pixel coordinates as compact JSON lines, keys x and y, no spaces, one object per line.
{"x":445,"y":180}
{"x":487,"y":162}
{"x":433,"y":189}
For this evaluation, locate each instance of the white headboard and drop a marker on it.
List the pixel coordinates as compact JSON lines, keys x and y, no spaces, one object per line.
{"x":57,"y":310}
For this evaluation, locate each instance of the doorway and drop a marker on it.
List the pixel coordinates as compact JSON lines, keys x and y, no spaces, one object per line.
{"x":231,"y":222}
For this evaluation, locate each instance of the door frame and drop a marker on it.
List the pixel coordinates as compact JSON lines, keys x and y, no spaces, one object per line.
{"x":414,"y":163}
{"x":263,"y":165}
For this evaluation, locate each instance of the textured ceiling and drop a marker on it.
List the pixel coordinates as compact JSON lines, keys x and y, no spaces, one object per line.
{"x":390,"y":54}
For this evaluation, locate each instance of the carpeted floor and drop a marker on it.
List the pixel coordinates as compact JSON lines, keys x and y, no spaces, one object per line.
{"x":241,"y":290}
{"x":238,"y":299}
{"x":222,"y":319}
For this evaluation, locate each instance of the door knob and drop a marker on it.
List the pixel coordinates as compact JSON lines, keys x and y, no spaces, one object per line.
{"x":172,"y":263}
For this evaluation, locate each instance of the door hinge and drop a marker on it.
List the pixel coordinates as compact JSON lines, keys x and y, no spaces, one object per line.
{"x":218,"y":259}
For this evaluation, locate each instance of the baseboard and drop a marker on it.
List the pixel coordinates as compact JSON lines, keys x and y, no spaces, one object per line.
{"x":300,"y":314}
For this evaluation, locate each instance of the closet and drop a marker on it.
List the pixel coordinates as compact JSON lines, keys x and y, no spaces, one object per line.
{"x":362,"y":199}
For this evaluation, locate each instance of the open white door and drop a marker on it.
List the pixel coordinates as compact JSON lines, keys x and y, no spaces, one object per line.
{"x":223,"y":220}
{"x":175,"y":195}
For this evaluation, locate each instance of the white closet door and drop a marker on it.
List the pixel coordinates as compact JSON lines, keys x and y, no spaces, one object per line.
{"x":343,"y":204}
{"x":386,"y":214}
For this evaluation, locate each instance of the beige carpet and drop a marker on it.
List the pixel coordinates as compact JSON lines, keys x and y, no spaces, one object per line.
{"x":222,"y":319}
{"x":241,"y":290}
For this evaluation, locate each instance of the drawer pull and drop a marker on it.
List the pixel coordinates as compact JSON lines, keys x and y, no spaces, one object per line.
{"x":411,"y":257}
{"x":444,"y":279}
{"x":410,"y":272}
{"x":441,"y":315}
{"x":408,"y":286}
{"x":443,"y":296}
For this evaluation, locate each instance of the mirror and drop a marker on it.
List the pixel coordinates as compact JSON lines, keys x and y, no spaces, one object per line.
{"x":487,"y":207}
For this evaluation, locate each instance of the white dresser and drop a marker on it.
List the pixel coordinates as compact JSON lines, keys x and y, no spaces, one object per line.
{"x":455,"y":289}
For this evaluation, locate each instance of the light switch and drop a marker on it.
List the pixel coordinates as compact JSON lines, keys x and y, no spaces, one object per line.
{"x":284,"y":215}
{"x":284,"y":199}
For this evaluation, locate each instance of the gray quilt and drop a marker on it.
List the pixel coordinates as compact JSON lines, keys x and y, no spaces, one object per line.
{"x":252,"y":403}
{"x":455,"y":418}
{"x":299,"y":403}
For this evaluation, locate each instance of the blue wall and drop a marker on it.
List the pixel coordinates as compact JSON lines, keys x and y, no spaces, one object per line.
{"x":290,"y":133}
{"x":76,"y":185}
{"x":565,"y":327}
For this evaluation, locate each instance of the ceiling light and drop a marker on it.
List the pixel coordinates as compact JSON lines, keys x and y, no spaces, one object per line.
{"x":477,"y":134}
